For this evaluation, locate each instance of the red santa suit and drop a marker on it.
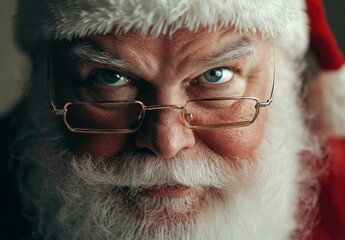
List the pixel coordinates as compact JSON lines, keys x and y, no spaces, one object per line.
{"x":326,"y":101}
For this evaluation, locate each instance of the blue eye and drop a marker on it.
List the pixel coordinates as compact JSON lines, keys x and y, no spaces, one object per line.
{"x":110,"y":78}
{"x":217,"y":75}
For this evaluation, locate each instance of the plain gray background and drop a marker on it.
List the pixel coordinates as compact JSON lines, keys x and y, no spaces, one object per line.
{"x":14,"y":67}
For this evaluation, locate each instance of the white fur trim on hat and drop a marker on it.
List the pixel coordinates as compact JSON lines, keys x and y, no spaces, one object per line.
{"x":39,"y":20}
{"x":326,"y":102}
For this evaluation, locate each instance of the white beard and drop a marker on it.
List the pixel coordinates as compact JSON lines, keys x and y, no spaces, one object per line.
{"x":76,"y":199}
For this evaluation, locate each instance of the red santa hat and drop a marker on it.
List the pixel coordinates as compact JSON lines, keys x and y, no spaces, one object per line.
{"x":326,"y":91}
{"x":38,"y":21}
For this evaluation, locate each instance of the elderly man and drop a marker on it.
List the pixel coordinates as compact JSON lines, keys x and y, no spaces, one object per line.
{"x":168,"y":120}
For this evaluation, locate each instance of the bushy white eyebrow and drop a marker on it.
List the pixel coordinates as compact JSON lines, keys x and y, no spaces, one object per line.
{"x":88,"y":53}
{"x":239,"y":49}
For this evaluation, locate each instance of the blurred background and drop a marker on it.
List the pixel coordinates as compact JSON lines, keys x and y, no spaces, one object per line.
{"x":14,"y":67}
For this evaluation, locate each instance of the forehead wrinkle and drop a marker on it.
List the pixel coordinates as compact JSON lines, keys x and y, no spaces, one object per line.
{"x":87,"y":52}
{"x":140,"y":52}
{"x":146,"y":62}
{"x":184,"y":50}
{"x":187,"y":56}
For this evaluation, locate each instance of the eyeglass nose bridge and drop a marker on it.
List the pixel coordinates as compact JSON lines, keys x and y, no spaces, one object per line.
{"x":162,"y":107}
{"x":188,"y":116}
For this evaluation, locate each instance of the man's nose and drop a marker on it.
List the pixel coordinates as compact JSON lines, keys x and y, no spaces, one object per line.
{"x":164,"y":134}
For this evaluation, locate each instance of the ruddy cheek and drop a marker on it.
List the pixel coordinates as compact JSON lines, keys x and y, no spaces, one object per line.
{"x":98,"y":145}
{"x":233,"y":143}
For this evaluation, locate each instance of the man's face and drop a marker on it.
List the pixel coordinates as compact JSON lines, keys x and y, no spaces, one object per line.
{"x":166,"y":180}
{"x":167,"y":70}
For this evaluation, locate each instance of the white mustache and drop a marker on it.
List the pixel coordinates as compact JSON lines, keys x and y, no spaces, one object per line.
{"x":142,"y":171}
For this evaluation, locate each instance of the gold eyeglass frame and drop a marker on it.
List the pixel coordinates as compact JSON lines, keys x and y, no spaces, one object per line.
{"x":63,"y":111}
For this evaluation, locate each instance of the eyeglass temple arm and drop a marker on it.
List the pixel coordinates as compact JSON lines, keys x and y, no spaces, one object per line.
{"x":55,"y":110}
{"x":269,"y":101}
